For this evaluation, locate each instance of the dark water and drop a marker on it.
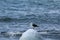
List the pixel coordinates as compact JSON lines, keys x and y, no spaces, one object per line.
{"x":16,"y":16}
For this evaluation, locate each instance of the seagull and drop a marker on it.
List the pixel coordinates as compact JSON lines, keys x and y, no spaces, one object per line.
{"x":31,"y":34}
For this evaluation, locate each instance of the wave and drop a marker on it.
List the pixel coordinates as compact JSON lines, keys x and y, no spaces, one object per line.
{"x":43,"y":18}
{"x":10,"y":34}
{"x":44,"y":33}
{"x":6,"y":19}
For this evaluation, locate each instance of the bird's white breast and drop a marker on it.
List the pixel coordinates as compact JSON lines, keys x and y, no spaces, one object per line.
{"x":31,"y":35}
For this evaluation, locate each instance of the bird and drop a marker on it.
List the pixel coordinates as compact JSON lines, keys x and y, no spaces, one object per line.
{"x":31,"y":34}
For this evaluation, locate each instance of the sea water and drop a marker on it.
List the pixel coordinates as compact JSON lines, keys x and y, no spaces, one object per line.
{"x":16,"y":16}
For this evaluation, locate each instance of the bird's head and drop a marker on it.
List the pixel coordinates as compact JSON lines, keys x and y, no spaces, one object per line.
{"x":33,"y":25}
